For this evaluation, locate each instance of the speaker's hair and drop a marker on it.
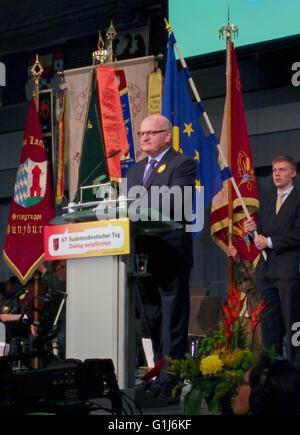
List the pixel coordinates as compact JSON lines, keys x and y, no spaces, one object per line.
{"x":261,"y":399}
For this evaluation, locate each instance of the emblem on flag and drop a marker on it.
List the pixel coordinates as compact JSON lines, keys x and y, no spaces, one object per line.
{"x":56,"y":244}
{"x":30,"y":186}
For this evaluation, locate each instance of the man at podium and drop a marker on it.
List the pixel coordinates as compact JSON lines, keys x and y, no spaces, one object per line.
{"x":165,"y":294}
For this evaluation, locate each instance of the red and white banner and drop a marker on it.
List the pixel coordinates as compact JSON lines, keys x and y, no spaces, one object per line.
{"x":32,"y":204}
{"x":234,"y":137}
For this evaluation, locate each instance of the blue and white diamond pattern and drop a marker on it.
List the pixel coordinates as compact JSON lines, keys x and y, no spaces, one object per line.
{"x":25,"y":186}
{"x":21,"y":185}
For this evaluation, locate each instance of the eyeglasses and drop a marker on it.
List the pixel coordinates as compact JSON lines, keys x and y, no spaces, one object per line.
{"x":150,"y":133}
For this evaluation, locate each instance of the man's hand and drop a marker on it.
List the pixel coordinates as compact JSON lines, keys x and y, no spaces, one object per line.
{"x":261,"y":242}
{"x":42,"y":268}
{"x":9,"y":317}
{"x":250,"y":225}
{"x":231,"y":251}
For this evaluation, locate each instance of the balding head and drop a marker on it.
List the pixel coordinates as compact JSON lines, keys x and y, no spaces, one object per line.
{"x":155,"y":134}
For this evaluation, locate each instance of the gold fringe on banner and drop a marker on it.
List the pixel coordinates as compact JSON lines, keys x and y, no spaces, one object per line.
{"x":155,"y":87}
{"x":60,"y":111}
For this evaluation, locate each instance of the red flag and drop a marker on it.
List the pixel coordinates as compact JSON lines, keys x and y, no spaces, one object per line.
{"x":114,"y":132}
{"x":235,"y":133}
{"x":153,"y":372}
{"x":32,"y":204}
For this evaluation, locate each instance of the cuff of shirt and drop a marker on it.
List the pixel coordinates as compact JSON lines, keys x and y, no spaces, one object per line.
{"x":251,"y":234}
{"x":270,"y":244}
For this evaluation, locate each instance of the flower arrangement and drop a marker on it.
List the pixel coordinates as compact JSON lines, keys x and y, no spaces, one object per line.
{"x":221,"y":360}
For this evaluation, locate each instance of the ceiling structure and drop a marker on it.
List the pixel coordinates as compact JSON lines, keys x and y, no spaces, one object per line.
{"x":30,"y":25}
{"x":69,"y":27}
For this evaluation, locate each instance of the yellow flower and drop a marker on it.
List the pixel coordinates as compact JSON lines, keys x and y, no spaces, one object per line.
{"x":211,"y":365}
{"x":229,"y":358}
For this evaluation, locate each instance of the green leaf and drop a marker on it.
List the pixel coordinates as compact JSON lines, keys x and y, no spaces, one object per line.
{"x":214,"y":406}
{"x":192,"y":402}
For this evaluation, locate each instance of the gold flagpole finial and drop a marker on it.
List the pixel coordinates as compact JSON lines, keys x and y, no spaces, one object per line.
{"x":100,"y":56}
{"x":100,"y":42}
{"x":110,"y":36}
{"x":105,"y":53}
{"x":36,"y":71}
{"x":228,"y":30}
{"x":168,"y":27}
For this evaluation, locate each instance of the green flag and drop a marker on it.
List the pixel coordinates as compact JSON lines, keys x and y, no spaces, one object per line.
{"x":93,"y":165}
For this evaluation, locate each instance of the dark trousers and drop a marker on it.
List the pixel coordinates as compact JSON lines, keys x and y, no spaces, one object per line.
{"x":166,"y":301}
{"x":282,"y":311}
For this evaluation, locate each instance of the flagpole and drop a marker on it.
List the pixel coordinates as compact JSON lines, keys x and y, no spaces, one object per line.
{"x":228,"y":31}
{"x":36,"y":72}
{"x":211,"y":130}
{"x":36,"y":290}
{"x":229,"y":157}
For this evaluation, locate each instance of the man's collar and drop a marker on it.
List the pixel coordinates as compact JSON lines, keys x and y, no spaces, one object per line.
{"x":287,"y":191}
{"x":160,"y":156}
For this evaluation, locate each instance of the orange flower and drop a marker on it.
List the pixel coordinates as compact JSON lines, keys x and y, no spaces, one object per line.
{"x":228,"y":318}
{"x":235,"y":302}
{"x":255,"y":313}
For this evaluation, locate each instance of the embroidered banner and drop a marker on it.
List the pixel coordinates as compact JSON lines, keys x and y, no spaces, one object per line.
{"x":32,"y":204}
{"x":235,"y":132}
{"x":129,"y":159}
{"x":114,"y":133}
{"x":78,"y":84}
{"x":136,"y":72}
{"x":155,"y":89}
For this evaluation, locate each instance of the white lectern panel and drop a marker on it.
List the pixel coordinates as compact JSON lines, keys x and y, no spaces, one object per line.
{"x":97,"y":312}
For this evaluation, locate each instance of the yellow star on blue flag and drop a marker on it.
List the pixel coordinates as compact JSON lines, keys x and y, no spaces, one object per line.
{"x":188,"y":129}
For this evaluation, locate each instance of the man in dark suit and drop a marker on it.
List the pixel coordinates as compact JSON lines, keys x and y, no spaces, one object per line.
{"x":278,"y":279}
{"x":165,"y":295}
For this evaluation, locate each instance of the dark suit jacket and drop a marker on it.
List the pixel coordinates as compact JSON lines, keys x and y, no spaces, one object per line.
{"x":284,"y":230}
{"x":179,"y":170}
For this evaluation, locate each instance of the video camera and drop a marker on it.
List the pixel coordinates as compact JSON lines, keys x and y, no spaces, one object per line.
{"x":64,"y":388}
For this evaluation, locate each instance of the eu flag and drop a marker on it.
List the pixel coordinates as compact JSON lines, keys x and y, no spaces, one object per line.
{"x":188,"y":136}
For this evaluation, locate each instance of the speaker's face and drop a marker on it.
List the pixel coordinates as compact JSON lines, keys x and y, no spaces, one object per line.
{"x":241,"y":405}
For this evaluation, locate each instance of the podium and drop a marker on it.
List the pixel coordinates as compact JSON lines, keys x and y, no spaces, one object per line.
{"x":100,"y":307}
{"x":97,"y":312}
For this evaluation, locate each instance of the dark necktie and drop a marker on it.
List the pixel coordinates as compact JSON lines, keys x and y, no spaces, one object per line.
{"x":149,"y":171}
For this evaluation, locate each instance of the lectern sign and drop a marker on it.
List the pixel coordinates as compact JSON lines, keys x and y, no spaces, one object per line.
{"x":87,"y":239}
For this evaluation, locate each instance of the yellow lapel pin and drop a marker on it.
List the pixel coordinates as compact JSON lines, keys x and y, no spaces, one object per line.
{"x":162,"y":168}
